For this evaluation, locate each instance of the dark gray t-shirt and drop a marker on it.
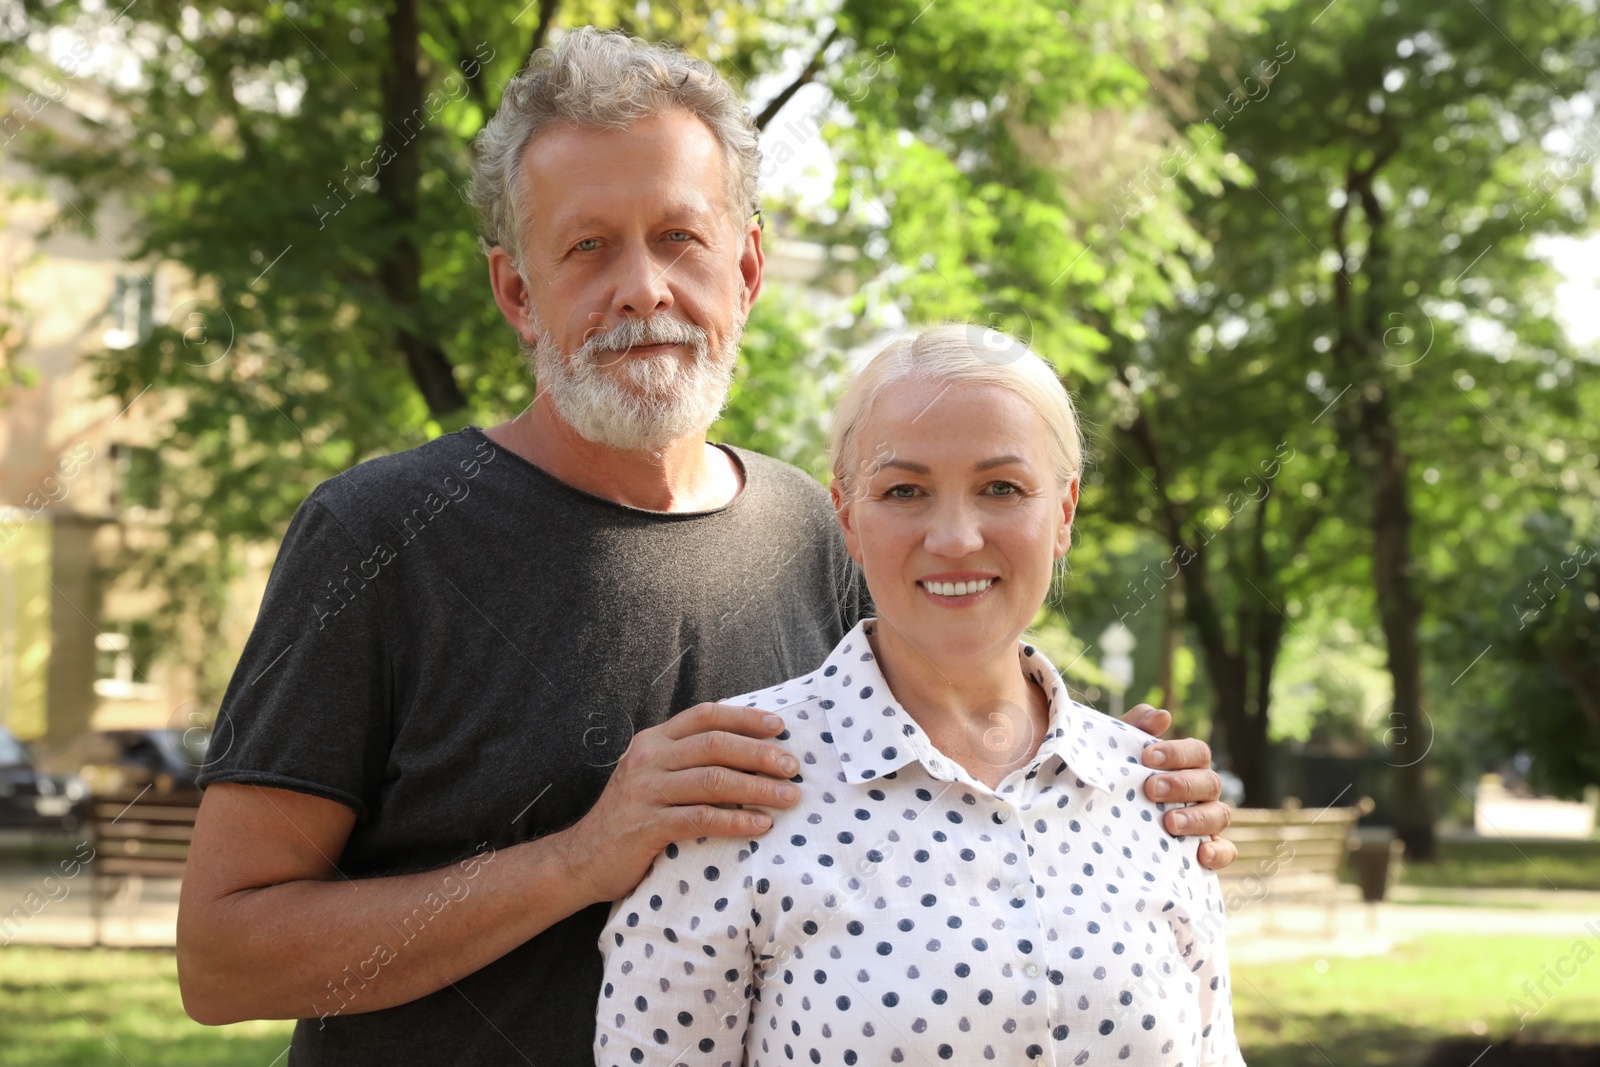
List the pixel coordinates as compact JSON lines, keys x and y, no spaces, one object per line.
{"x":459,"y":647}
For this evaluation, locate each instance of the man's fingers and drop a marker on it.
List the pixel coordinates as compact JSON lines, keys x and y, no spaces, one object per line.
{"x":1184,"y":787}
{"x":718,"y":748}
{"x":1217,"y":853}
{"x":1152,"y":721}
{"x":705,"y":820}
{"x":723,"y":785}
{"x":751,"y":722}
{"x":1198,"y":820}
{"x":1186,"y":753}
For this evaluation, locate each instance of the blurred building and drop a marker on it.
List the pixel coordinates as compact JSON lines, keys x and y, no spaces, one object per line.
{"x":78,"y":470}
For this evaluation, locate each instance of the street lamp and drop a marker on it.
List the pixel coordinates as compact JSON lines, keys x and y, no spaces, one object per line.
{"x":1117,"y":664}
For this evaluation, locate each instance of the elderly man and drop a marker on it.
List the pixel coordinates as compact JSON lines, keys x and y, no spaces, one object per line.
{"x":450,"y":741}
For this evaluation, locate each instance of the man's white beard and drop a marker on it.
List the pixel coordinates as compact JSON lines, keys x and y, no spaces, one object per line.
{"x":655,"y":400}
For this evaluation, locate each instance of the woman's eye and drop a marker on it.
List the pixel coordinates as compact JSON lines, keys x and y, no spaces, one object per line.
{"x":900,"y":492}
{"x":678,"y":235}
{"x":1004,"y":489}
{"x":588,"y":244}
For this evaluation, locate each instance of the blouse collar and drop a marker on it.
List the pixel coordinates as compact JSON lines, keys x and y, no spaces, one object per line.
{"x":874,"y":736}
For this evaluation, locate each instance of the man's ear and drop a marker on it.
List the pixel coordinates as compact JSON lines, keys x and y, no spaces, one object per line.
{"x":844,"y":509}
{"x":752,"y":265}
{"x":1069,"y":508}
{"x":511,"y":294}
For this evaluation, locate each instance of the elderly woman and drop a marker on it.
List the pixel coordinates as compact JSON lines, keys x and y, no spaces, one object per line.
{"x":973,"y":872}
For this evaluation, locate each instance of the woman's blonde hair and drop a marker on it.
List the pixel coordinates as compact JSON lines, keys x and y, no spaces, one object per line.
{"x":958,"y":354}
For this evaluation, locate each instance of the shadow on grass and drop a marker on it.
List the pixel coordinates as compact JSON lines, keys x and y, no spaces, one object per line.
{"x":1343,"y":1040}
{"x":1362,"y":1041}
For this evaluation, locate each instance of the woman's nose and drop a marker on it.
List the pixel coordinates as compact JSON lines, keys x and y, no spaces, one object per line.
{"x":955,"y":531}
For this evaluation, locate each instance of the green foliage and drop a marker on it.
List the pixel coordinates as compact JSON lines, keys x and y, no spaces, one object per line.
{"x":1540,"y":616}
{"x":784,"y":385}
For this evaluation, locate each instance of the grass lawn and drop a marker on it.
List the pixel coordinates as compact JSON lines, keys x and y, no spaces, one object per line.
{"x":116,"y":1007}
{"x":1392,"y":1009}
{"x":64,"y":1006}
{"x":1503,"y":865}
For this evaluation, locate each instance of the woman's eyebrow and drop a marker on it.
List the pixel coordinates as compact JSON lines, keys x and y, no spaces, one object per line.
{"x":981,"y":465}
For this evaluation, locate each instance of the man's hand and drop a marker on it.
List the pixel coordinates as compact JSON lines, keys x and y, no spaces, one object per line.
{"x":1191,"y":779}
{"x":676,"y":782}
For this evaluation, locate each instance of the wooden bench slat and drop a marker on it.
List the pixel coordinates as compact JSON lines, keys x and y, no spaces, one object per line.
{"x":156,"y":868}
{"x":143,"y":831}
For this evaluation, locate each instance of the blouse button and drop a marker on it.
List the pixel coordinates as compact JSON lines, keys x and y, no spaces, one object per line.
{"x":1019,"y":891}
{"x":1003,"y":814}
{"x":1031,"y":970}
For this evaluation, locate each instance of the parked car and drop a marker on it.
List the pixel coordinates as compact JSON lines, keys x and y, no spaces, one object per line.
{"x":33,"y":799}
{"x":123,"y":761}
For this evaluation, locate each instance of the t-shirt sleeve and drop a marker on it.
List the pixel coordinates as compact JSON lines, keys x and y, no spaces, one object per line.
{"x":679,"y":963}
{"x":308,"y":707}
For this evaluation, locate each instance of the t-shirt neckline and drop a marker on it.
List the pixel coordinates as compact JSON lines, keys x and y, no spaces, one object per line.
{"x":549,"y":479}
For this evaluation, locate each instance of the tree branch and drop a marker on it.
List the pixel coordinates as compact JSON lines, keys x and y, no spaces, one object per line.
{"x":775,"y":105}
{"x":400,"y":263}
{"x":547,"y":15}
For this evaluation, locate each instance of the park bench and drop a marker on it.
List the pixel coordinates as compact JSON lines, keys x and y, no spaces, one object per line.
{"x":1288,"y":854}
{"x":138,"y":835}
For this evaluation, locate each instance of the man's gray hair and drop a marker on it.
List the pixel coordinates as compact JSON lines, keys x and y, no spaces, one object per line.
{"x":603,"y":81}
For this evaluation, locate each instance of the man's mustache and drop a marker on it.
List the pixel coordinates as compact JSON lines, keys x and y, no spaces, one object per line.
{"x":631,"y":333}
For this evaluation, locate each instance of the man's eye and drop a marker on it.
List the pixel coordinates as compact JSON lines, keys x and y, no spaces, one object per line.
{"x":588,"y":244}
{"x":678,"y":236}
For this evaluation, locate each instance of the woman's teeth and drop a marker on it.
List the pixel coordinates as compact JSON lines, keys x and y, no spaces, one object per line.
{"x":958,"y":588}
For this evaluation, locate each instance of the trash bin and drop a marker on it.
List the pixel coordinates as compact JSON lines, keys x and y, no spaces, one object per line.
{"x":1377,"y":850}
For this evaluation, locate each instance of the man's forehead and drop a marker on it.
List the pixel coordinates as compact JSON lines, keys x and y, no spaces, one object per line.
{"x":596,"y":207}
{"x":668,"y":163}
{"x":674,"y":134}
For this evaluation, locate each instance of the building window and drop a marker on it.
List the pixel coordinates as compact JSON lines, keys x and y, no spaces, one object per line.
{"x":122,"y":661}
{"x":131,"y":314}
{"x":138,"y":477}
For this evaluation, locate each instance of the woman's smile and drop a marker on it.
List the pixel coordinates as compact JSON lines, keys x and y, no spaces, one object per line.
{"x":958,"y":590}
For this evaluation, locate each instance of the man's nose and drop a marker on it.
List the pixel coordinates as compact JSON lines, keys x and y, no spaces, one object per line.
{"x":642,"y":287}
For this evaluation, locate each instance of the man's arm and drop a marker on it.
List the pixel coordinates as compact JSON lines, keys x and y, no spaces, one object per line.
{"x":1189,"y":779}
{"x":269,"y":928}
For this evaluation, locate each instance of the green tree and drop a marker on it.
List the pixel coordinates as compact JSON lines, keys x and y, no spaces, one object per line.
{"x":1402,"y":159}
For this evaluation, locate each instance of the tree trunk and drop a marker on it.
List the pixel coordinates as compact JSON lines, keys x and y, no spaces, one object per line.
{"x":400,"y":266}
{"x":1238,"y":668}
{"x":1371,"y":437}
{"x":1409,"y":734}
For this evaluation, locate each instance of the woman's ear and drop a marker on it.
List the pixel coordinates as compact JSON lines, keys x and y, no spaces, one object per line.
{"x":844,"y":509}
{"x":1069,"y":508}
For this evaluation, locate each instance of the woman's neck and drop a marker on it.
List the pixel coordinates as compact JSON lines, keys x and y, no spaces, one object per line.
{"x":982,"y":712}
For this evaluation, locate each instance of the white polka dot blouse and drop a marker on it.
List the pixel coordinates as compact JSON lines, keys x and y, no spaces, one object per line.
{"x":904,"y":912}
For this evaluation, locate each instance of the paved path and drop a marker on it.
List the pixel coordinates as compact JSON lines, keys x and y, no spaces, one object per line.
{"x":57,"y":913}
{"x":1259,"y":933}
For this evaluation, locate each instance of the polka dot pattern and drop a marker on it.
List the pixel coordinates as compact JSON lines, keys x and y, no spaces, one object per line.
{"x":905,"y":912}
